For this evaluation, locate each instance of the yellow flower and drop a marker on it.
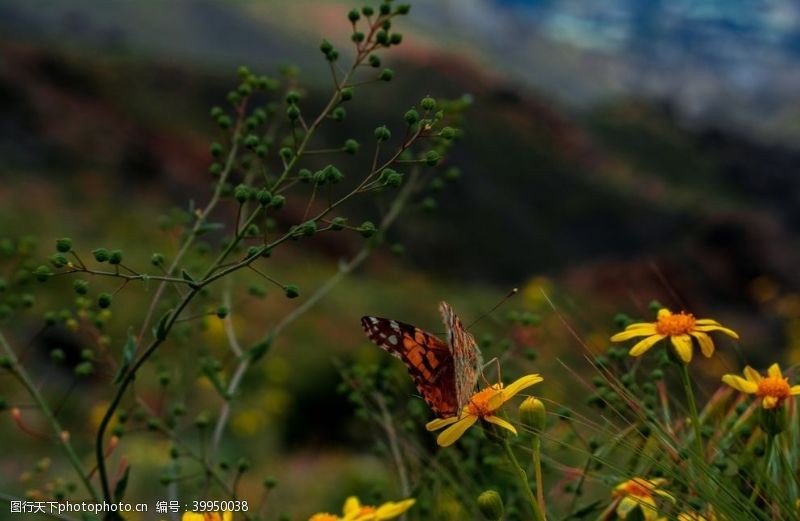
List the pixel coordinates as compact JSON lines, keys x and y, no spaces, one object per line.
{"x":680,"y":328}
{"x":773,"y":389}
{"x":640,"y":492}
{"x":695,"y":516}
{"x":207,"y":516}
{"x":482,"y":406}
{"x":355,"y":511}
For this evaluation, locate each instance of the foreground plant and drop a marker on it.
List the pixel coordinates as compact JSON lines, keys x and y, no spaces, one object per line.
{"x":354,"y":511}
{"x":773,"y":389}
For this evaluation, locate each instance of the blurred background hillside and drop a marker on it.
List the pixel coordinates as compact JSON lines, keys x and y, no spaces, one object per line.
{"x":615,"y":153}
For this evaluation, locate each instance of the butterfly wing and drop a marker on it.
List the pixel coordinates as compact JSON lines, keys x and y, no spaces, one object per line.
{"x":428,"y":359}
{"x":467,"y":359}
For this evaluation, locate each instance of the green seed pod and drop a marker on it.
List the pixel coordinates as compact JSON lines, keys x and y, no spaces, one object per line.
{"x":353,"y":15}
{"x":224,"y":122}
{"x":215,"y":149}
{"x":428,"y":103}
{"x":293,"y":112}
{"x":251,"y":141}
{"x":367,"y":229}
{"x":432,"y":157}
{"x":216,"y":112}
{"x":286,"y":153}
{"x":157,"y":259}
{"x":222,"y":311}
{"x":80,"y":286}
{"x":101,"y":254}
{"x":241,"y":193}
{"x":429,"y":204}
{"x":64,"y":245}
{"x":215,"y":169}
{"x":305,"y":175}
{"x":411,"y":117}
{"x":115,"y":257}
{"x":262,"y":150}
{"x":58,"y":260}
{"x":395,"y":38}
{"x":394,"y":179}
{"x":332,"y":56}
{"x":448,"y":133}
{"x":42,"y":273}
{"x":278,"y":201}
{"x":325,"y":46}
{"x":374,"y":61}
{"x":382,"y":37}
{"x":338,"y":223}
{"x":403,"y":9}
{"x":84,"y":369}
{"x":357,"y":37}
{"x":491,"y":505}
{"x":386,"y":8}
{"x":452,"y":174}
{"x":243,"y":464}
{"x":367,"y":10}
{"x":351,"y":146}
{"x":264,"y":197}
{"x":292,"y":97}
{"x":386,"y":75}
{"x":291,"y":291}
{"x":382,"y":133}
{"x":270,"y":482}
{"x":533,"y":414}
{"x":104,"y":300}
{"x":338,"y":114}
{"x":346,"y":94}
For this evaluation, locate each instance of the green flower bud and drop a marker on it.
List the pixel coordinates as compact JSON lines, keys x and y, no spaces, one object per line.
{"x":374,"y":61}
{"x":395,"y":38}
{"x":338,"y":223}
{"x":382,"y":133}
{"x":533,"y":414}
{"x":338,"y":114}
{"x":351,"y":146}
{"x":224,"y":122}
{"x":251,"y":141}
{"x":428,"y":103}
{"x":222,"y":311}
{"x":50,"y":318}
{"x":278,"y":201}
{"x":234,"y":98}
{"x":367,"y":229}
{"x":215,"y":149}
{"x":432,"y":157}
{"x":307,"y":229}
{"x":216,"y":112}
{"x":57,"y":355}
{"x":215,"y":169}
{"x":293,"y":112}
{"x":386,"y":8}
{"x":353,"y":15}
{"x":305,"y":175}
{"x":326,"y":46}
{"x":286,"y":153}
{"x":386,"y":75}
{"x":367,"y":10}
{"x":332,"y":56}
{"x":270,"y":482}
{"x":80,"y":286}
{"x":84,"y":369}
{"x":264,"y":197}
{"x":42,"y":273}
{"x":104,"y":300}
{"x":157,"y":259}
{"x":403,"y":9}
{"x":491,"y":505}
{"x":101,"y":254}
{"x":244,"y":90}
{"x":58,"y":260}
{"x":429,"y":204}
{"x":448,"y":132}
{"x":452,"y":174}
{"x":292,"y":97}
{"x":241,"y":193}
{"x":382,"y":37}
{"x":262,"y":150}
{"x":64,"y":245}
{"x":115,"y":257}
{"x":357,"y":37}
{"x":333,"y":174}
{"x":291,"y":291}
{"x":243,"y":72}
{"x":346,"y":93}
{"x":411,"y":117}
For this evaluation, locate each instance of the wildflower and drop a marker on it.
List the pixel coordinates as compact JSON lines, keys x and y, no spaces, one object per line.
{"x":680,"y":328}
{"x":482,"y":406}
{"x":207,"y":516}
{"x":355,"y":511}
{"x":640,"y":492}
{"x":696,"y":516}
{"x":773,"y":389}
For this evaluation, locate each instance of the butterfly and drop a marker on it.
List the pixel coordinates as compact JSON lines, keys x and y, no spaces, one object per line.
{"x":445,"y":373}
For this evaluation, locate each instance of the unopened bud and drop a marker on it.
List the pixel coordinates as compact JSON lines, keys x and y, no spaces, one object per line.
{"x":491,"y":505}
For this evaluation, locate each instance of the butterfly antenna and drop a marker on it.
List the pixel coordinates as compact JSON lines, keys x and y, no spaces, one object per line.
{"x":502,"y":301}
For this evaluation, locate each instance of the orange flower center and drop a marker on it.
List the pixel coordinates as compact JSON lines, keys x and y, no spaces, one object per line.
{"x":635,"y":488}
{"x":773,"y":386}
{"x":674,"y":324}
{"x":479,"y":403}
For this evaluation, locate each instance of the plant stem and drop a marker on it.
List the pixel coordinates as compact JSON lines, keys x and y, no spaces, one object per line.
{"x":523,"y":481}
{"x":59,"y":432}
{"x":695,"y":418}
{"x":537,"y":468}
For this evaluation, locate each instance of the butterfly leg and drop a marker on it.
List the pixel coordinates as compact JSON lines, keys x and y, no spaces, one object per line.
{"x":496,"y":362}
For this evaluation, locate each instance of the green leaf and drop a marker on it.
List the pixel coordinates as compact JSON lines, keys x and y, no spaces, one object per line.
{"x":122,"y":484}
{"x":160,"y":332}
{"x":127,"y":357}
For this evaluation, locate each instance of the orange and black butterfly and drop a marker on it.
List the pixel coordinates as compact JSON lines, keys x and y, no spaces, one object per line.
{"x":445,"y":373}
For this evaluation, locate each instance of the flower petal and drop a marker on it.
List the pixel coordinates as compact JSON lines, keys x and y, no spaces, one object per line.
{"x":683,"y":346}
{"x":794,"y":390}
{"x":455,"y":431}
{"x":643,"y":345}
{"x":730,"y":332}
{"x":740,"y":384}
{"x":706,"y":344}
{"x":520,"y":384}
{"x":500,"y":422}
{"x":351,"y":504}
{"x":752,"y":375}
{"x":648,"y":329}
{"x":439,"y":423}
{"x":769,"y":402}
{"x":393,"y":509}
{"x":706,"y":322}
{"x":775,"y":371}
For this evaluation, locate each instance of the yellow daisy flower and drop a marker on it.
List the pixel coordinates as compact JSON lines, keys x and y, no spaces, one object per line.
{"x":640,"y":493}
{"x":355,"y":511}
{"x":773,"y":389}
{"x":207,"y":516}
{"x":482,"y":406}
{"x":695,"y":516}
{"x":680,"y":328}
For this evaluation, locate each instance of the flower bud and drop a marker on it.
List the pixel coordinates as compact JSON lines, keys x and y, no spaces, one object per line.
{"x":338,"y":114}
{"x":351,"y":146}
{"x":411,"y":117}
{"x":293,"y":112}
{"x":80,"y":286}
{"x":42,"y":273}
{"x":215,"y":149}
{"x":291,"y":291}
{"x":353,"y":15}
{"x":395,"y":38}
{"x":115,"y":257}
{"x":491,"y":505}
{"x":367,"y":10}
{"x":382,"y":37}
{"x":337,"y":223}
{"x":157,"y":259}
{"x":292,"y":97}
{"x":428,"y":103}
{"x":222,"y":311}
{"x":346,"y":93}
{"x":270,"y":482}
{"x":326,"y":46}
{"x":58,"y":260}
{"x":286,"y":153}
{"x":104,"y":300}
{"x":367,"y":229}
{"x":386,"y":75}
{"x":773,"y":421}
{"x":241,"y":193}
{"x":264,"y":197}
{"x":64,"y":245}
{"x":432,"y":157}
{"x":374,"y":61}
{"x":382,"y":133}
{"x":278,"y":201}
{"x":403,"y":8}
{"x":251,"y":141}
{"x":101,"y":254}
{"x":533,"y":414}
